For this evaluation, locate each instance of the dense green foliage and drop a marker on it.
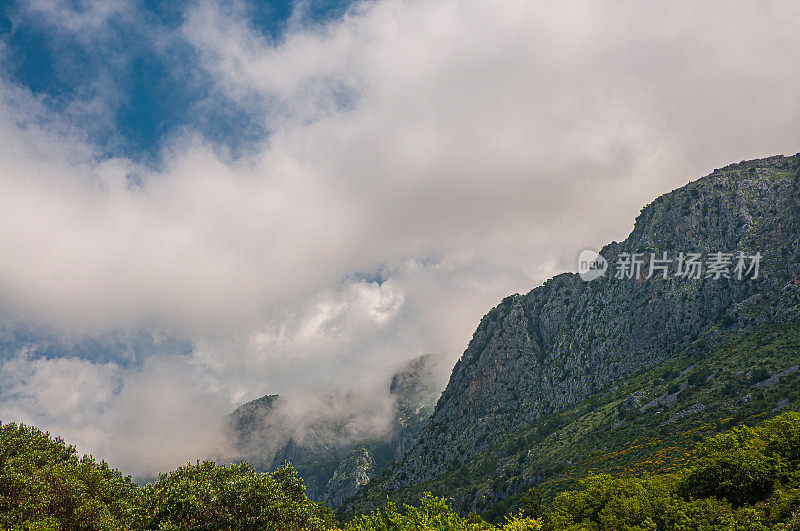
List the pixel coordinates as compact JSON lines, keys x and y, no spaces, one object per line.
{"x":45,"y":485}
{"x":207,"y":496}
{"x":433,"y":514}
{"x":649,"y":423}
{"x":746,"y":478}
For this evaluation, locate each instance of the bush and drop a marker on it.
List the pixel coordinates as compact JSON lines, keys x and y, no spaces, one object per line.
{"x":758,"y":375}
{"x":603,"y":502}
{"x":746,"y":464}
{"x":207,"y":496}
{"x":782,"y":437}
{"x":433,"y":514}
{"x":532,"y":503}
{"x":739,"y":475}
{"x":699,"y":376}
{"x":45,"y":485}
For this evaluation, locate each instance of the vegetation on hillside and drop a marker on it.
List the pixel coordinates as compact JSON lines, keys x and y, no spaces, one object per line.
{"x":650,"y":423}
{"x":626,"y":458}
{"x":44,"y":485}
{"x":747,"y":478}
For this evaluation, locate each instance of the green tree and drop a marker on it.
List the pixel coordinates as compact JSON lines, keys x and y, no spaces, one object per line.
{"x":45,"y":485}
{"x":433,"y":514}
{"x":733,"y":466}
{"x":532,"y":503}
{"x":207,"y":496}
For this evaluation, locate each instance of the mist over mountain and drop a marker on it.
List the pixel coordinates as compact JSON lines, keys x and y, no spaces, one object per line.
{"x":549,"y":365}
{"x":649,"y":367}
{"x":202,"y":203}
{"x":333,"y":458}
{"x":654,"y":350}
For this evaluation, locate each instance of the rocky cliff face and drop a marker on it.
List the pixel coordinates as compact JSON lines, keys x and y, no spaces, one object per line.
{"x":355,"y":470}
{"x":333,"y":468}
{"x":415,"y":390}
{"x":538,"y":353}
{"x":252,"y":429}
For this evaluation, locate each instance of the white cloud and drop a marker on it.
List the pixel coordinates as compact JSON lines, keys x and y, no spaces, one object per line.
{"x":147,"y":420}
{"x":69,"y":389}
{"x":468,"y":149}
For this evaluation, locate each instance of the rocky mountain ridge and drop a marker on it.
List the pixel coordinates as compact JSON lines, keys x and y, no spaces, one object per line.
{"x":333,"y":468}
{"x":537,"y":354}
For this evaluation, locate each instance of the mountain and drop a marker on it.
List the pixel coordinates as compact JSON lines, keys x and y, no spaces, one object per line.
{"x":415,"y":390}
{"x":332,"y":465}
{"x":251,"y":417}
{"x":623,"y":373}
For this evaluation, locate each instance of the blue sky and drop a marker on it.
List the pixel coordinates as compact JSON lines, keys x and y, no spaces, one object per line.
{"x":148,"y":80}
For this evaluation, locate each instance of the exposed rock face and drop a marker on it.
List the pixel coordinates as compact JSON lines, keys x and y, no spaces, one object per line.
{"x":415,"y":390}
{"x":251,"y":427}
{"x":537,"y":353}
{"x":251,"y":416}
{"x":333,"y":468}
{"x":355,"y":470}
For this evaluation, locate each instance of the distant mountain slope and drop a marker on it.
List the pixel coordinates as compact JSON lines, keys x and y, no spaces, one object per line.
{"x":334,"y":467}
{"x":251,"y":421}
{"x":568,"y":342}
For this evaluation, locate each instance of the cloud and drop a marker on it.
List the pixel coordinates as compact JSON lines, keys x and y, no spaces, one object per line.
{"x":461,"y":150}
{"x":145,"y":420}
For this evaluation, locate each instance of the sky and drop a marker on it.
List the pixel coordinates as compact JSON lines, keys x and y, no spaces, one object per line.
{"x":205,"y":202}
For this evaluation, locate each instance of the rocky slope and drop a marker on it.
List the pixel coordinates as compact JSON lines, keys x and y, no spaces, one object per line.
{"x":567,"y":341}
{"x":415,"y":390}
{"x":332,"y":467}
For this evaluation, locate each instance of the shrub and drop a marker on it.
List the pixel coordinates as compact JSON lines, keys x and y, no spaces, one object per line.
{"x":207,"y":496}
{"x":740,"y":466}
{"x":699,"y":376}
{"x":45,"y":485}
{"x":433,"y":514}
{"x":758,"y":375}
